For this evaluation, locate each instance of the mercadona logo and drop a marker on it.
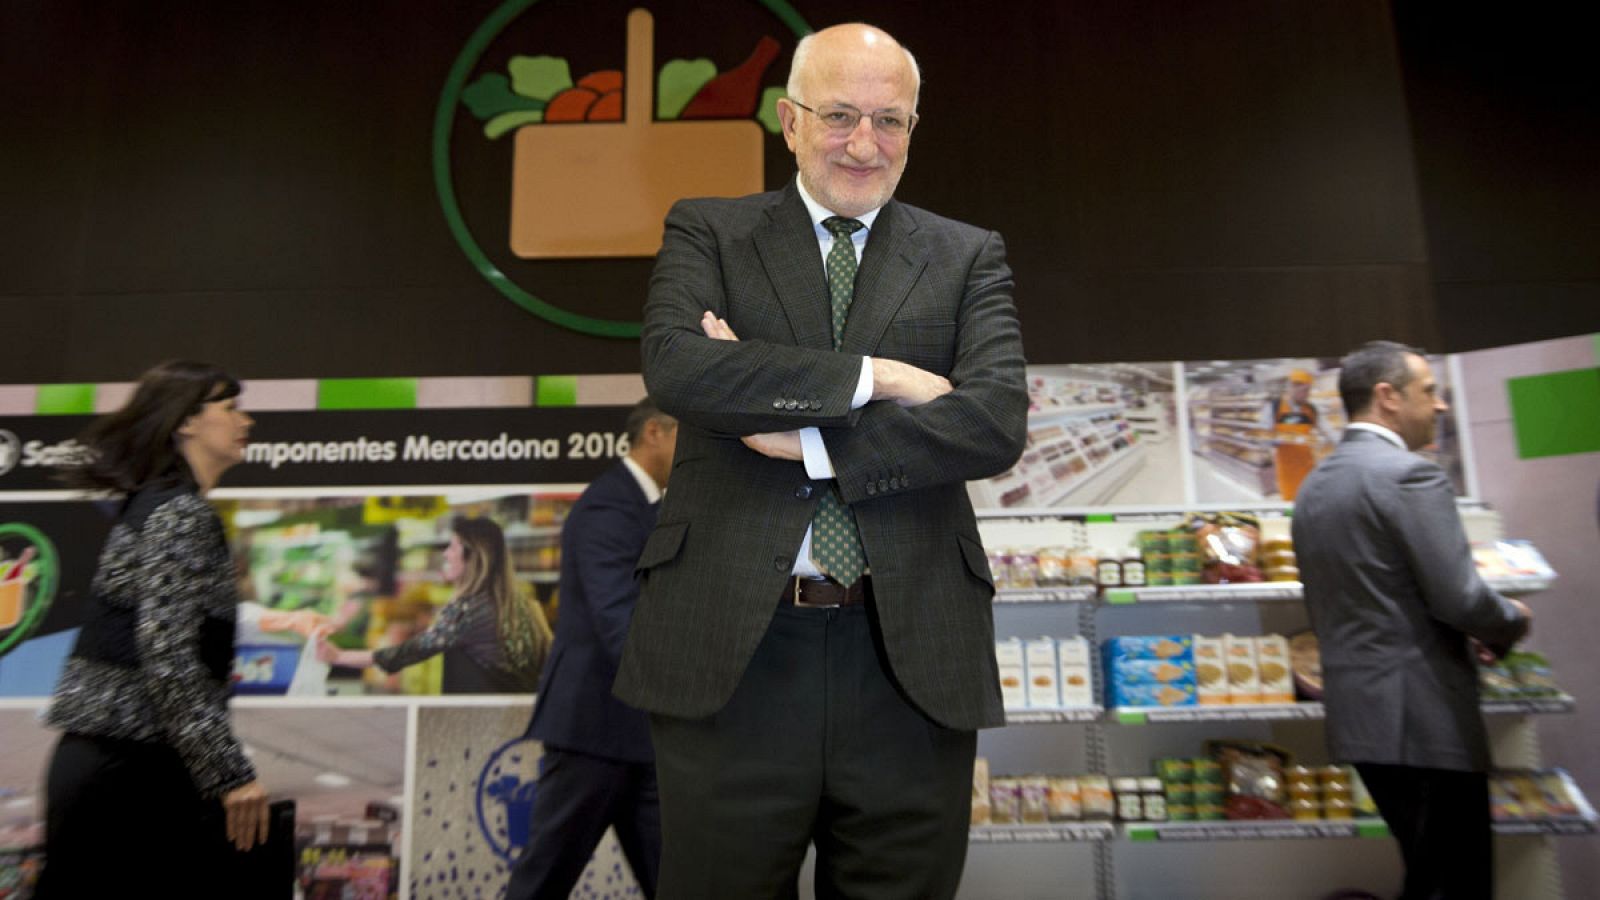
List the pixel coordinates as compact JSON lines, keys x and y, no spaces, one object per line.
{"x":538,"y":171}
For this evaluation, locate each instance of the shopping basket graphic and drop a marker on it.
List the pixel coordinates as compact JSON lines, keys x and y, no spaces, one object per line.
{"x":601,"y":189}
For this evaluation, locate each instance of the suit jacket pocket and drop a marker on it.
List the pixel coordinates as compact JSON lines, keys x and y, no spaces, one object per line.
{"x":663,"y":545}
{"x":928,"y":344}
{"x":977,"y":561}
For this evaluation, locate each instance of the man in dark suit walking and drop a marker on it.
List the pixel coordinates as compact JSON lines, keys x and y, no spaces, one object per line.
{"x":1400,"y":613}
{"x":598,"y":770}
{"x":814,"y":637}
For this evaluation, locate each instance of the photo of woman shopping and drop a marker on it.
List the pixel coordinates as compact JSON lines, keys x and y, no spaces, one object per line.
{"x":493,"y":635}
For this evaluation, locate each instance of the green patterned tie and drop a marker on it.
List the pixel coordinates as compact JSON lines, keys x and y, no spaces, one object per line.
{"x":835,"y":541}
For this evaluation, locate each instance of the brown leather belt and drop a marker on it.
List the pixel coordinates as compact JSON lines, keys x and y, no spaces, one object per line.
{"x":811,"y":593}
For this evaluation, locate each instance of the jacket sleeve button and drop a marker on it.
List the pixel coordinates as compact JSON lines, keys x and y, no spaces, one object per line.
{"x":803,"y":492}
{"x":781,"y":564}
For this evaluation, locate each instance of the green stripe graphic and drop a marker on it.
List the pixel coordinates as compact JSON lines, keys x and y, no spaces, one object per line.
{"x":367,"y":393}
{"x":64,"y":399}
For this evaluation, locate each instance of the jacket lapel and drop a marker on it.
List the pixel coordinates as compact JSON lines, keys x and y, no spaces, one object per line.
{"x":787,"y":245}
{"x":893,"y":260}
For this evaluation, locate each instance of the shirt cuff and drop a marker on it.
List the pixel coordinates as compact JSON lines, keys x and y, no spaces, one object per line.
{"x":815,"y":454}
{"x":864,"y":386}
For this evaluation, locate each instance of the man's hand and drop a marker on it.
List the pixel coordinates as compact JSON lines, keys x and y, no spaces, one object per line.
{"x":776,"y":444}
{"x":906,"y":384}
{"x":715,"y":328}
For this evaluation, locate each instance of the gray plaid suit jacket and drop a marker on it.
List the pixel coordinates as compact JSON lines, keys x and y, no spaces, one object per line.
{"x":1393,"y":596}
{"x":931,"y":292}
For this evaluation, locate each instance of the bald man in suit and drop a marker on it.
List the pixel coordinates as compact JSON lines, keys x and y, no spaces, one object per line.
{"x":814,"y":637}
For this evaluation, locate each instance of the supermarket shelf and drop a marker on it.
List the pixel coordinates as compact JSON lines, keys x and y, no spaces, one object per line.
{"x":1122,"y":466}
{"x":1290,"y":712}
{"x":1056,"y":413}
{"x":1053,"y":716}
{"x":1206,"y":593}
{"x":1247,"y":443}
{"x":1084,"y":594}
{"x":1255,"y":830}
{"x":1053,"y":833}
{"x":1260,"y":477}
{"x":542,"y":576}
{"x":1245,"y":712}
{"x":1523,"y":706}
{"x":532,"y":531}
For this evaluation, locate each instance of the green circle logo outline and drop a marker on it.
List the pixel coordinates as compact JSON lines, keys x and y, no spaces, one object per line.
{"x":443,"y":118}
{"x":44,"y":592}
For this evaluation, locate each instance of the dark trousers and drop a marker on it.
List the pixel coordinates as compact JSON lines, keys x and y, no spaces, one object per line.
{"x":817,"y":745}
{"x":1441,"y":820}
{"x":124,"y":819}
{"x":578,"y":797}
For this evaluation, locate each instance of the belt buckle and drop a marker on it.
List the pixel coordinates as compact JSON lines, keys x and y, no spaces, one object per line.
{"x":803,"y":604}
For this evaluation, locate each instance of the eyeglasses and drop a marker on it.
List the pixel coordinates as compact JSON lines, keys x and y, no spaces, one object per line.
{"x":844,"y":119}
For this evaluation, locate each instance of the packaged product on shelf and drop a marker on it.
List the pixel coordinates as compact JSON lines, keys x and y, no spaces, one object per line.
{"x":1066,"y":799}
{"x":1532,"y":674}
{"x":1013,"y":675}
{"x":1083,"y":568}
{"x":1133,"y":572}
{"x":1272,"y":662}
{"x":1253,"y":778}
{"x":980,"y":791}
{"x":1495,"y":682}
{"x":1207,"y":770}
{"x":1305,"y":659}
{"x":1005,"y":801}
{"x":1510,"y":559}
{"x":1034,"y":805}
{"x":1130,"y":804}
{"x":1054,"y":566}
{"x":1228,"y":544}
{"x":1154,"y":797}
{"x":1108,"y":568}
{"x":1043,"y":691}
{"x":1359,"y":797}
{"x":1175,"y":770}
{"x":1137,"y":672}
{"x":1176,"y":694}
{"x":1023,"y":568}
{"x":1337,"y":808}
{"x":1076,"y":687}
{"x":1210,"y":671}
{"x":1095,"y":794}
{"x":1000,"y":567}
{"x":1173,"y":647}
{"x":1181,"y":802}
{"x":1535,"y":794}
{"x":1244,"y":676}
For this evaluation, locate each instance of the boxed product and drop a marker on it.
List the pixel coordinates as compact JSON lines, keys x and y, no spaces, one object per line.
{"x":1137,"y":672}
{"x":1005,"y":801}
{"x":1210,"y":671}
{"x":1170,"y":647}
{"x":1244,"y":678}
{"x":1066,"y":799}
{"x":1176,"y":694}
{"x":980,"y":791}
{"x":1039,"y":660}
{"x":1272,"y":664}
{"x":1013,"y":675}
{"x":1095,"y":796}
{"x":1076,"y":687}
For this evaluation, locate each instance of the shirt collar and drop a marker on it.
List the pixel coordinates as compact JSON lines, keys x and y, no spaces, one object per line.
{"x":819,"y":212}
{"x":1378,"y":430}
{"x":647,"y":484}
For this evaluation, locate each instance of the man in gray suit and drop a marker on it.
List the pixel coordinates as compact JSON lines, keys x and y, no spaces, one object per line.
{"x":814,"y":636}
{"x":1400,"y":613}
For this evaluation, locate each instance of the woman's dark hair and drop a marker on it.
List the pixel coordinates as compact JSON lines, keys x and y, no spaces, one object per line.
{"x":133,"y":446}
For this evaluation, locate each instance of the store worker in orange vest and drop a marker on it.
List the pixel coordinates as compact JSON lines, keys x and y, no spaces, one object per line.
{"x":1296,"y":430}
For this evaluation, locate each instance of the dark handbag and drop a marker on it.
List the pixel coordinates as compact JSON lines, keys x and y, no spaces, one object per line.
{"x":265,"y":871}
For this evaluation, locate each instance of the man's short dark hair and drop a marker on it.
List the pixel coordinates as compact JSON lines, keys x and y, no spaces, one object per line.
{"x":642,"y":412}
{"x":1371,"y":364}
